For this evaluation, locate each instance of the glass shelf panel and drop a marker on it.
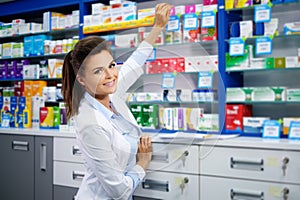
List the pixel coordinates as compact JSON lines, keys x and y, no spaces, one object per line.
{"x":173,"y":102}
{"x":264,"y":70}
{"x":41,"y":56}
{"x":265,"y":102}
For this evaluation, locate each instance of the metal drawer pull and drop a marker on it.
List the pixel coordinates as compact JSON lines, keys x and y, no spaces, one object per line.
{"x":76,"y":150}
{"x":20,"y":145}
{"x":246,"y":194}
{"x":285,"y":192}
{"x":160,"y":157}
{"x":43,"y":157}
{"x":183,"y":157}
{"x":247,"y":164}
{"x":149,"y":184}
{"x":77,"y":175}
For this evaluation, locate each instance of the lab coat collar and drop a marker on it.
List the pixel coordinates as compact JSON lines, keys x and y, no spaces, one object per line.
{"x":99,"y":106}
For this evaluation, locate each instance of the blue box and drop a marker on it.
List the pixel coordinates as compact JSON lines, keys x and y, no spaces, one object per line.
{"x":38,"y":44}
{"x":28,"y":46}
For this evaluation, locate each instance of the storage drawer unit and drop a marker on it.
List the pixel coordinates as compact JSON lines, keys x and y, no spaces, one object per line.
{"x":175,"y":158}
{"x":68,"y":174}
{"x":214,"y":188}
{"x":64,"y":193}
{"x":66,"y":149}
{"x":169,"y":186}
{"x":258,"y":164}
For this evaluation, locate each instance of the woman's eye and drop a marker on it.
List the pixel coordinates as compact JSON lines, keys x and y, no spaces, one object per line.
{"x":112,"y":65}
{"x":98,"y":71}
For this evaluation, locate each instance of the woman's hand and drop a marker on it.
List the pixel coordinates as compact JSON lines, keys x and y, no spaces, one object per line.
{"x":144,"y":153}
{"x":162,"y":15}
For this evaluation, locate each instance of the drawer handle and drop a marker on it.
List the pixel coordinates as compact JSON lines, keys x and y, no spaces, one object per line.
{"x":160,"y":157}
{"x":77,"y":175}
{"x":76,"y":150}
{"x":150,"y":184}
{"x":43,"y":157}
{"x":20,"y":145}
{"x":247,"y":164}
{"x":245,"y":194}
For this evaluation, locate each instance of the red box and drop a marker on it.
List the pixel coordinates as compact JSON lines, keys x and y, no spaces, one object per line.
{"x":19,"y":88}
{"x":177,"y":64}
{"x":208,"y":34}
{"x":165,"y":65}
{"x":235,"y":114}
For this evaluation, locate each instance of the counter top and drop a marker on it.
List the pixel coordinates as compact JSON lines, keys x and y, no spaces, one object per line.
{"x":37,"y":132}
{"x":215,"y":140}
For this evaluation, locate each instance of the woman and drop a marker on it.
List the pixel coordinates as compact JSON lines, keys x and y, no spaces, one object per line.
{"x":115,"y":154}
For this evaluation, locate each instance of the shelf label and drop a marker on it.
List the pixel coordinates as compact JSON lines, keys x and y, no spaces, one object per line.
{"x":271,"y":129}
{"x":262,"y":13}
{"x":190,"y":21}
{"x":208,"y":19}
{"x":263,"y":46}
{"x":236,"y":47}
{"x":152,"y":57}
{"x":173,"y":23}
{"x":168,"y":80}
{"x":294,"y":131}
{"x":205,"y":80}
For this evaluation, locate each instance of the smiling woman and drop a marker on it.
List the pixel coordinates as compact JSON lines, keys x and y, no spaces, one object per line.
{"x":115,"y":153}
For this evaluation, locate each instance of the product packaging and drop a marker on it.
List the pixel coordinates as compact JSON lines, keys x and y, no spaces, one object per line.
{"x":234,"y":116}
{"x":239,"y":94}
{"x":97,"y":8}
{"x":293,"y":94}
{"x":291,"y":28}
{"x":37,"y":103}
{"x":129,"y":10}
{"x":286,"y":123}
{"x":166,"y":118}
{"x":136,"y":110}
{"x":193,"y":116}
{"x":126,"y":41}
{"x":55,"y":68}
{"x":150,"y":116}
{"x":254,"y":125}
{"x":46,"y":117}
{"x":209,"y":123}
{"x":268,"y":94}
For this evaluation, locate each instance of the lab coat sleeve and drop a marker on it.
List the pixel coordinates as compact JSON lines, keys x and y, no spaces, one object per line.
{"x":99,"y":155}
{"x":132,"y":68}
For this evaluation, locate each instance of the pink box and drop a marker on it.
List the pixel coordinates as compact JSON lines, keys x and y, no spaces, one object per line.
{"x":190,"y":9}
{"x":209,"y":2}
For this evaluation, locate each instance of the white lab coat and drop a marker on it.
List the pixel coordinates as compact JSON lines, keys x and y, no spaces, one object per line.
{"x":104,"y":149}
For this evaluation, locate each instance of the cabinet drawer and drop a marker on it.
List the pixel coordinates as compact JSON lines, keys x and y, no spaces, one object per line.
{"x":175,"y":158}
{"x":66,"y":149}
{"x":64,"y":193}
{"x":68,"y":174}
{"x":232,"y":189}
{"x":168,"y":186}
{"x":271,"y":165}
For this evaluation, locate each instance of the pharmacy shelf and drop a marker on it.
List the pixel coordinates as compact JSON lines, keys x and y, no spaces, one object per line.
{"x":118,"y":26}
{"x":270,"y":4}
{"x":173,"y":102}
{"x":20,"y":79}
{"x":53,"y":32}
{"x":166,"y":131}
{"x":265,"y":102}
{"x":249,"y":70}
{"x":41,"y":56}
{"x":277,"y":37}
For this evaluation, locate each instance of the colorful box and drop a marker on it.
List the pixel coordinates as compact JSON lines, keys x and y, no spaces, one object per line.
{"x":19,"y":88}
{"x":286,"y":123}
{"x":55,"y":68}
{"x":150,"y":116}
{"x":28,"y":46}
{"x":209,"y":123}
{"x":46,"y":117}
{"x":234,"y":116}
{"x":146,"y":13}
{"x":136,"y":110}
{"x":279,"y":62}
{"x":3,"y":69}
{"x":193,"y":116}
{"x":37,"y":103}
{"x":11,"y":69}
{"x":254,"y":124}
{"x":129,"y":11}
{"x":126,"y":41}
{"x":166,"y":118}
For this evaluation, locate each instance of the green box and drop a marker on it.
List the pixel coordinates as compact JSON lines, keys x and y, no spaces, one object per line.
{"x":238,"y":94}
{"x":136,"y":110}
{"x":150,"y":116}
{"x":56,"y":117}
{"x":279,"y":62}
{"x":238,"y":62}
{"x":293,"y":94}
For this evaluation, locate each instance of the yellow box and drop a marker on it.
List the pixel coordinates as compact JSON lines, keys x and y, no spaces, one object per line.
{"x":37,"y":88}
{"x":28,"y":88}
{"x":55,"y":68}
{"x":46,"y":117}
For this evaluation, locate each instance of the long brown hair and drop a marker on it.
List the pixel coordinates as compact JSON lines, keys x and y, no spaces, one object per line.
{"x":72,"y":91}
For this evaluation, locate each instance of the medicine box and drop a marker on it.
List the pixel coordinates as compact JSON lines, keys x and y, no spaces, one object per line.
{"x":166,"y":118}
{"x":97,"y":8}
{"x":55,"y":68}
{"x":126,"y":41}
{"x":37,"y":103}
{"x":291,"y":61}
{"x":46,"y":117}
{"x":209,"y":123}
{"x":286,"y":123}
{"x":254,"y":124}
{"x":239,"y":94}
{"x":293,"y":94}
{"x":136,"y":110}
{"x":193,"y":116}
{"x":150,"y":116}
{"x":268,"y":94}
{"x":235,"y":114}
{"x":146,"y":13}
{"x":96,"y":20}
{"x":129,"y":10}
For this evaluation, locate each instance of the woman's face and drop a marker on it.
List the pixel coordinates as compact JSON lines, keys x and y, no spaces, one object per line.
{"x":100,"y":74}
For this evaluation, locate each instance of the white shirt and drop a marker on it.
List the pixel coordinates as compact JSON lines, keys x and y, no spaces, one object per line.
{"x":108,"y":148}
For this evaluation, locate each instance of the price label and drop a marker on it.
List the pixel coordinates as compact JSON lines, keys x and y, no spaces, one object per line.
{"x":173,"y":23}
{"x":271,"y":129}
{"x":236,"y":47}
{"x":205,"y":80}
{"x":263,"y":46}
{"x":208,"y":19}
{"x":190,"y":21}
{"x":168,"y":81}
{"x":294,"y":131}
{"x":262,"y":13}
{"x":5,"y":121}
{"x":152,"y":57}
